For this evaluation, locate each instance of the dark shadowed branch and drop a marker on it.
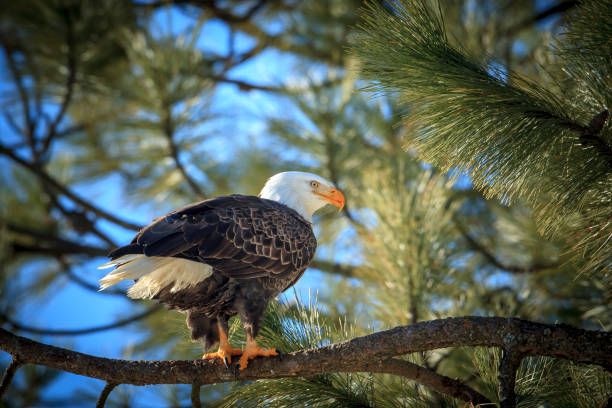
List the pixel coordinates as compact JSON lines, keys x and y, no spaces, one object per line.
{"x":561,"y":7}
{"x":51,"y":244}
{"x":9,"y":373}
{"x":223,"y":14}
{"x":361,"y":354}
{"x":510,"y":363}
{"x":429,"y":378}
{"x":195,"y":393}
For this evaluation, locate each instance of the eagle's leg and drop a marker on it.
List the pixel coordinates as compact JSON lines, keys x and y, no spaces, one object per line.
{"x":251,"y":317}
{"x":225,"y":351}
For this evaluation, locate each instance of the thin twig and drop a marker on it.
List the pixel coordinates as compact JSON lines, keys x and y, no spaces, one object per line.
{"x":70,"y":82}
{"x":247,"y":86}
{"x":9,"y":373}
{"x":90,"y":286}
{"x":23,"y":94}
{"x":108,"y":388}
{"x":333,"y":267}
{"x":77,"y":332}
{"x":174,"y":153}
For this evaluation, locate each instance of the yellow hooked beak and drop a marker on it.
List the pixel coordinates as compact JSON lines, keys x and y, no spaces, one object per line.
{"x":332,"y":196}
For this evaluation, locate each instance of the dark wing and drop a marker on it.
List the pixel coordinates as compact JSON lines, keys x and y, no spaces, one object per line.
{"x":239,"y":236}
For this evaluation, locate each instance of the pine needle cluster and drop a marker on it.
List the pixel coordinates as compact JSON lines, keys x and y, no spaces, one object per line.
{"x":515,"y":138}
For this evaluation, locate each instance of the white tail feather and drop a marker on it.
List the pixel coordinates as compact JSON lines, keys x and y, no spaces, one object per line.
{"x":120,"y":260}
{"x":154,"y":273}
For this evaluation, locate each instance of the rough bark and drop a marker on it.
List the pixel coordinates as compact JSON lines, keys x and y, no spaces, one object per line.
{"x":361,"y":354}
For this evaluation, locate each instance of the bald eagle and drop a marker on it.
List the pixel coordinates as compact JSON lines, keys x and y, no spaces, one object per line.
{"x":226,"y":256}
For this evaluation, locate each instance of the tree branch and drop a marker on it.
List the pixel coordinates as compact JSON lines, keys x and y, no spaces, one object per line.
{"x":108,"y":388}
{"x":174,"y":153}
{"x":477,"y":246}
{"x":361,"y":354}
{"x":510,"y":363}
{"x":557,"y":8}
{"x":46,"y":178}
{"x":77,"y":332}
{"x":70,"y":81}
{"x":195,"y":393}
{"x":333,"y":267}
{"x":90,"y":286}
{"x":429,"y":378}
{"x":9,"y":374}
{"x":51,"y":244}
{"x":218,"y":12}
{"x":245,"y":86}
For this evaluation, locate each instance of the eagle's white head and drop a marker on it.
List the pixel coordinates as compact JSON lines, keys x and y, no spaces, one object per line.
{"x":303,"y":192}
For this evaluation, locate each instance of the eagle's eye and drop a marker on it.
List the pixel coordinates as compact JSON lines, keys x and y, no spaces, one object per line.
{"x":314,"y":184}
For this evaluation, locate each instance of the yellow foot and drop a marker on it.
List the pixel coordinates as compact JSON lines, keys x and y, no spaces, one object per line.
{"x":225,"y":354}
{"x":252,"y":352}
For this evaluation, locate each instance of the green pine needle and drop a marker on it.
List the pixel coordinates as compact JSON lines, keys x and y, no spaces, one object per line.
{"x":514,"y":138}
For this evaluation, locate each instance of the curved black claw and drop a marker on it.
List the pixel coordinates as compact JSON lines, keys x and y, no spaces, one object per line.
{"x":226,"y":361}
{"x":236,"y":368}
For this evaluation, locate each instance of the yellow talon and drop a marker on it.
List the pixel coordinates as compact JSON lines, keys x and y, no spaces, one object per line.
{"x":225,"y":351}
{"x":253,"y":350}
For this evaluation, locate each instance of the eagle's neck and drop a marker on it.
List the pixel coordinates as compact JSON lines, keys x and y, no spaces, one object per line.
{"x":285,"y":195}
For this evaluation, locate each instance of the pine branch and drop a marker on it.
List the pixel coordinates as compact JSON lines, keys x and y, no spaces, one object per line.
{"x":51,"y":244}
{"x":492,"y":259}
{"x":361,"y":354}
{"x":195,"y":393}
{"x":510,"y":363}
{"x":51,"y":182}
{"x":71,"y":63}
{"x":515,"y":139}
{"x":90,"y":286}
{"x":77,"y":332}
{"x":23,"y":94}
{"x":9,"y":373}
{"x":561,"y":7}
{"x":174,"y":153}
{"x":429,"y":378}
{"x":211,"y":6}
{"x":108,"y":388}
{"x":333,"y":267}
{"x":246,"y":86}
{"x":589,"y":135}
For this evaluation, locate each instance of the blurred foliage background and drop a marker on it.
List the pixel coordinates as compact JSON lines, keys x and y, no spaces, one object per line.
{"x":460,"y":199}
